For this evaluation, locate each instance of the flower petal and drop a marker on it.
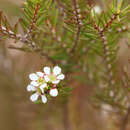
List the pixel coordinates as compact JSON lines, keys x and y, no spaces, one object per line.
{"x":40,"y":74}
{"x":53,"y":92}
{"x":42,"y":87}
{"x":34,"y":83}
{"x":33,"y":77}
{"x":34,"y":97}
{"x":44,"y":99}
{"x":47,"y":70}
{"x":31,"y":88}
{"x":56,"y":82}
{"x":61,"y":76}
{"x":56,"y":70}
{"x":46,"y":78}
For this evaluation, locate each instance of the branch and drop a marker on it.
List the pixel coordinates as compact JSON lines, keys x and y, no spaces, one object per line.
{"x":36,"y":50}
{"x":110,"y":21}
{"x":79,"y":24}
{"x":105,"y":47}
{"x":12,"y":35}
{"x":8,"y":31}
{"x":106,"y":53}
{"x":5,"y":30}
{"x":34,"y":19}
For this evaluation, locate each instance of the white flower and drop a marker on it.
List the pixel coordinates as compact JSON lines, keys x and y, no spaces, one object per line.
{"x":40,"y":74}
{"x":56,"y":70}
{"x":53,"y":76}
{"x":34,"y":83}
{"x":42,"y":87}
{"x":33,"y":77}
{"x":31,"y":88}
{"x":40,"y":83}
{"x":47,"y":70}
{"x":34,"y":97}
{"x":37,"y":85}
{"x":53,"y":92}
{"x":44,"y":99}
{"x":96,"y":10}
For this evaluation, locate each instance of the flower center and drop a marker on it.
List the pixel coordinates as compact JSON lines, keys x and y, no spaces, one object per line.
{"x":41,"y":81}
{"x":52,"y":77}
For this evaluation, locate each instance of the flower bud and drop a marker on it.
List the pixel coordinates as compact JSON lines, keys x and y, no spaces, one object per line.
{"x":54,"y":92}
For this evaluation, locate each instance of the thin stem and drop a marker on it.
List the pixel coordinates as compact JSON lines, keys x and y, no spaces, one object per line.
{"x":110,"y":21}
{"x":79,"y":23}
{"x":76,"y":41}
{"x":106,"y":53}
{"x":26,"y":38}
{"x":105,"y":47}
{"x":34,"y":19}
{"x":36,"y":50}
{"x":13,"y":35}
{"x":8,"y":32}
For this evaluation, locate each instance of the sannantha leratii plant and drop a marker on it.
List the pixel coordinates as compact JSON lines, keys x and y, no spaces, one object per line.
{"x":45,"y":83}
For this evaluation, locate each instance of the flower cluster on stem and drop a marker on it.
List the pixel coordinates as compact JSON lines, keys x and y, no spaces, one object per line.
{"x":45,"y":83}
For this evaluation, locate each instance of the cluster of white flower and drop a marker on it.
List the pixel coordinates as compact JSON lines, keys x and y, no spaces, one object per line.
{"x":44,"y":83}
